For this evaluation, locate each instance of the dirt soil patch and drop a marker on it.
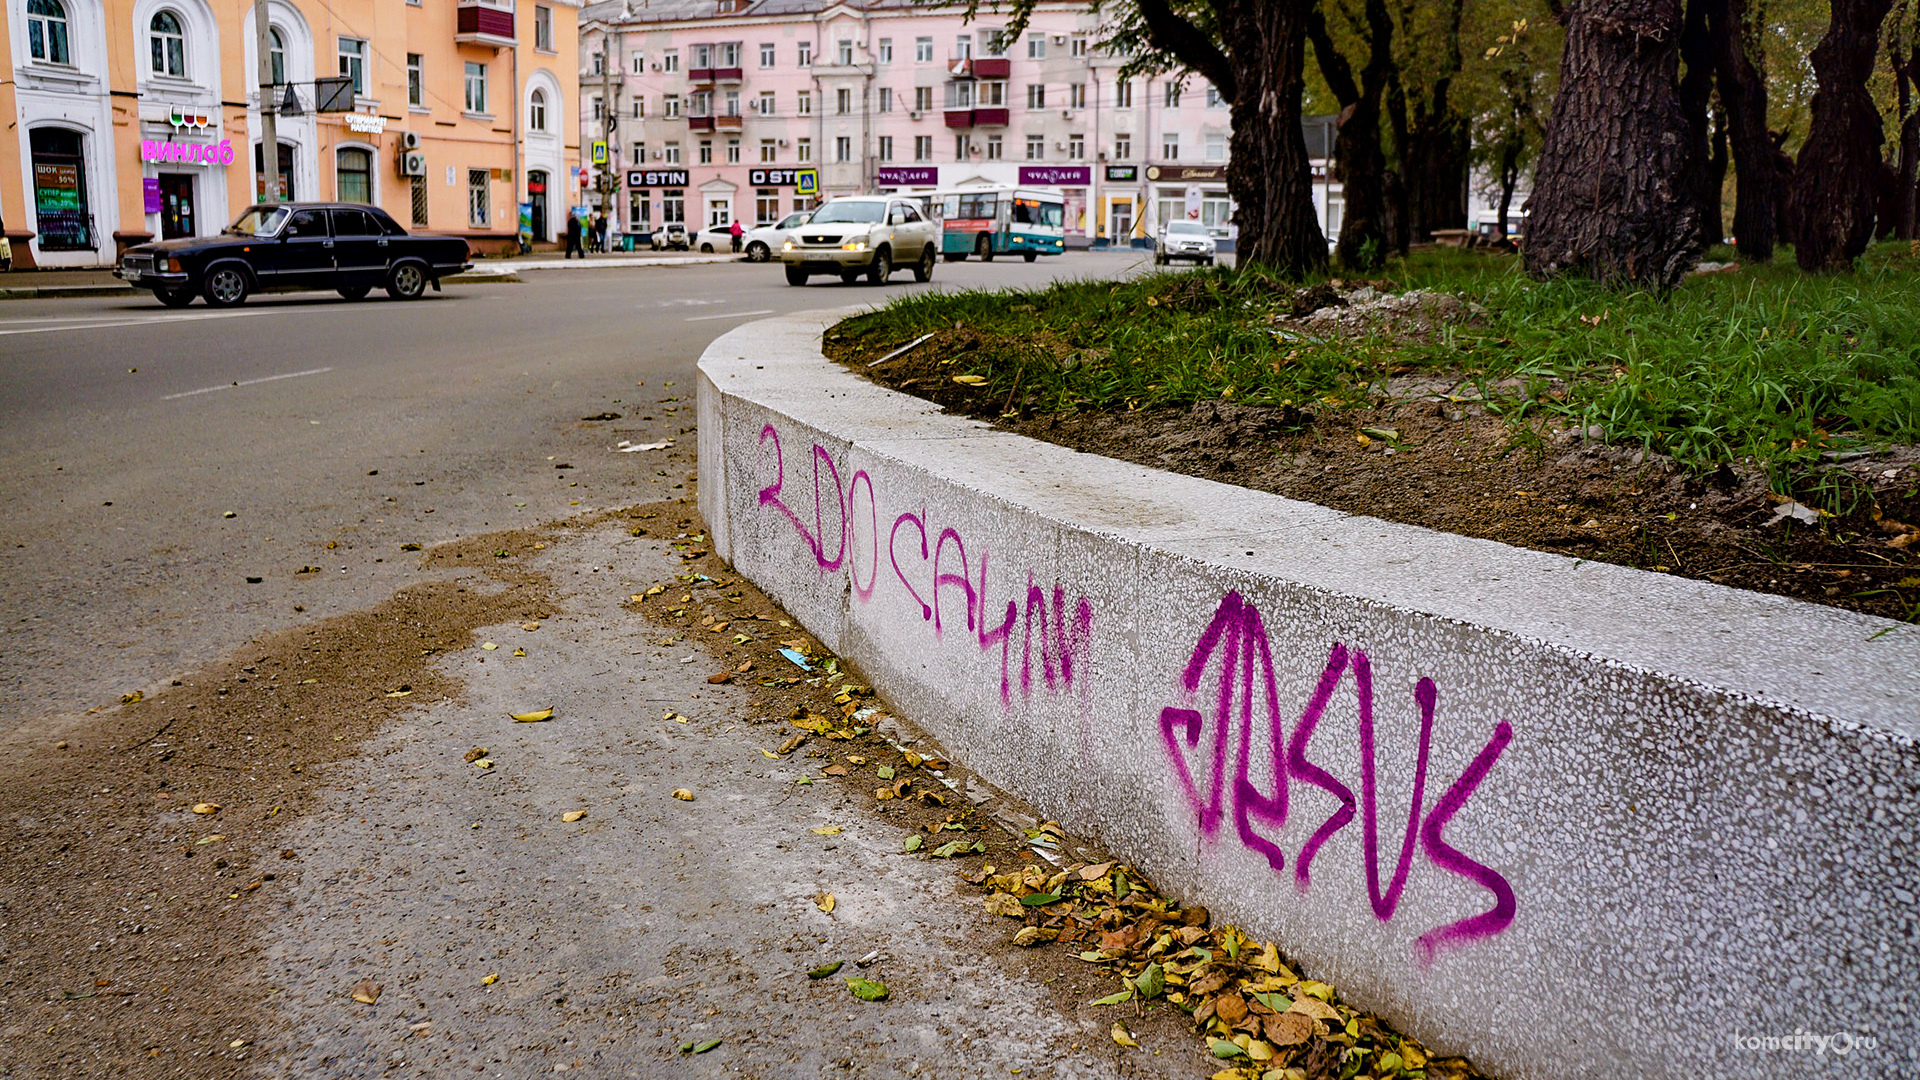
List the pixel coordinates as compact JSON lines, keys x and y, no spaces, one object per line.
{"x":1433,"y":452}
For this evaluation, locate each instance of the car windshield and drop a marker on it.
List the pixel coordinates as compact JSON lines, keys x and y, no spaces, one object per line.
{"x":854,"y":213}
{"x":258,"y":221}
{"x":1187,"y":228}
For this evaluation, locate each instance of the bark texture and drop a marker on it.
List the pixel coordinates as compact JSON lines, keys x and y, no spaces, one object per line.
{"x":1835,"y":180}
{"x":1612,"y":194}
{"x":1757,"y":180}
{"x":1699,"y":57}
{"x":1358,"y":159}
{"x":1268,"y":171}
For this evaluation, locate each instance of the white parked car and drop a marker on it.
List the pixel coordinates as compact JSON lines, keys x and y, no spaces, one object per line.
{"x":1183,"y":240}
{"x":761,"y":243}
{"x":670,"y":236}
{"x":716,"y":238}
{"x":862,"y":234}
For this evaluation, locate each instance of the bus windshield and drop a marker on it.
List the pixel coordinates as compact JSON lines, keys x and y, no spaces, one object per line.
{"x":1035,"y":212}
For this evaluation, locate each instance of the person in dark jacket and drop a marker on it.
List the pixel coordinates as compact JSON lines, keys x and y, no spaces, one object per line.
{"x":573,"y":237}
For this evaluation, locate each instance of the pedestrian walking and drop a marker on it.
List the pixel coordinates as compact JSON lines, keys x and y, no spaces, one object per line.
{"x":573,"y":237}
{"x":736,"y":231}
{"x":599,"y":232}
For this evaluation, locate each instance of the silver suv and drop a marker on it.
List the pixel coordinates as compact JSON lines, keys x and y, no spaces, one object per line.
{"x":870,"y":234}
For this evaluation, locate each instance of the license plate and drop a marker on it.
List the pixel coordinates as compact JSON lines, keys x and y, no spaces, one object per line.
{"x":130,"y":274}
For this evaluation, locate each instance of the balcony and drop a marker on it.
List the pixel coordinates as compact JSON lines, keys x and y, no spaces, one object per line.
{"x":990,"y":117}
{"x":728,"y":122}
{"x":992,"y":67}
{"x":699,"y":123}
{"x":959,"y":118}
{"x":700,"y":75}
{"x":485,"y":22}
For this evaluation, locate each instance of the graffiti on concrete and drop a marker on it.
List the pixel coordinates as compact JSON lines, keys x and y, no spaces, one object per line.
{"x":1052,"y":631}
{"x":1238,"y":635}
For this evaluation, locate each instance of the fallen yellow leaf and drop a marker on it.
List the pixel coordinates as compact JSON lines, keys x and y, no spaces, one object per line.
{"x":132,"y":698}
{"x":770,"y":753}
{"x":489,"y":646}
{"x":529,"y":627}
{"x":683,"y":794}
{"x":573,"y":816}
{"x":532,"y":717}
{"x":969,"y":380}
{"x":1122,"y":1036}
{"x":483,"y":763}
{"x":824,"y":902}
{"x":519,"y":652}
{"x":827,"y":830}
{"x":489,"y":980}
{"x":206,"y":808}
{"x":366,"y":992}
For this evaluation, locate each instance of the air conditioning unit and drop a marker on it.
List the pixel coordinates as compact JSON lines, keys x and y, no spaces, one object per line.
{"x":1059,"y":39}
{"x":413,"y":163}
{"x":656,"y":65}
{"x":409,"y":140}
{"x":783,"y":142}
{"x":915,"y":115}
{"x":1066,"y":114}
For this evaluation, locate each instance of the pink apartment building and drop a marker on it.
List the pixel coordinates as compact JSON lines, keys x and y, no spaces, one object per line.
{"x":716,"y":110}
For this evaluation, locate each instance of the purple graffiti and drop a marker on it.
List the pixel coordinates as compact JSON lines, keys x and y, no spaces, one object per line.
{"x":1239,"y":636}
{"x":944,"y":567}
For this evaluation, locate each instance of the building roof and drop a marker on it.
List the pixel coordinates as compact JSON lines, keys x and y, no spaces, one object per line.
{"x":662,"y":11}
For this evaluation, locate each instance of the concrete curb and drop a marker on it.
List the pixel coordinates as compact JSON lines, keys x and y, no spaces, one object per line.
{"x":49,"y":292}
{"x":614,"y":262}
{"x":1657,"y":819}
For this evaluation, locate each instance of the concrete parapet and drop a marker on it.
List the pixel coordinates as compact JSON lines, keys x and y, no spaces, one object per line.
{"x":1569,"y":818}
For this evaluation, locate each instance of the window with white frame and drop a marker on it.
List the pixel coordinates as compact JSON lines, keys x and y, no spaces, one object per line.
{"x":599,"y":107}
{"x":476,"y":87}
{"x":1077,"y":96}
{"x":1123,"y":95}
{"x":1076,"y":147}
{"x":733,"y":103}
{"x":639,"y":153}
{"x":843,"y":148}
{"x":1214,"y":148}
{"x":537,"y":110}
{"x":1170,"y":146}
{"x":1036,"y":46}
{"x":729,"y":54}
{"x":923,"y":148}
{"x":767,"y":52}
{"x":806,"y":54}
{"x":803,"y":150}
{"x":733,"y":151}
{"x":886,"y":50}
{"x":1077,"y":46}
{"x":479,"y":212}
{"x":673,"y":206}
{"x":670,"y":60}
{"x":1122,"y":147}
{"x":277,"y":57}
{"x":1214,"y":100}
{"x":923,"y":99}
{"x":1173,"y":95}
{"x":416,"y":81}
{"x":638,"y":63}
{"x":599,"y":62}
{"x":671,"y":106}
{"x":886,"y":148}
{"x":47,"y":32}
{"x":639,"y":106}
{"x":963,"y":47}
{"x":543,"y":27}
{"x":766,"y":205}
{"x":766,"y":103}
{"x":923,"y":50}
{"x":843,"y":101}
{"x":702,"y":58}
{"x":672,"y":153}
{"x":769,"y":151}
{"x":167,"y":44}
{"x":883,"y":98}
{"x":353,"y":63}
{"x":843,"y":52}
{"x":993,"y":43}
{"x":996,"y":148}
{"x":992,"y":94}
{"x":960,"y":94}
{"x":1036,"y":148}
{"x":706,"y":152}
{"x":804,"y":105}
{"x":962,"y":147}
{"x":1036,"y":96}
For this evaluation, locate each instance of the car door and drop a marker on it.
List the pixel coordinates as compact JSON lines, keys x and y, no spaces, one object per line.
{"x":305,"y":251}
{"x":917,"y":231}
{"x":359,"y":248}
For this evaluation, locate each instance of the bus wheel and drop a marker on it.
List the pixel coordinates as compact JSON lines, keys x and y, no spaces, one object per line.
{"x":923,"y":270}
{"x":984,"y":249}
{"x":1030,"y":255}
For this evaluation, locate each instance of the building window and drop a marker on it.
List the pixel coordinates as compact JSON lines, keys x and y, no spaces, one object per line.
{"x":599,"y":107}
{"x":639,"y":212}
{"x":1036,"y":96}
{"x":886,"y":148}
{"x":769,"y":151}
{"x":963,"y":47}
{"x":843,"y":149}
{"x":702,"y":57}
{"x":995,"y":148}
{"x":843,"y":101}
{"x":923,"y":50}
{"x":1123,"y":95}
{"x":1036,"y":46}
{"x":960,"y":94}
{"x":639,"y":63}
{"x":543,"y":27}
{"x":537,"y":110}
{"x":730,"y":54}
{"x":167,"y":40}
{"x":992,"y":95}
{"x":673,"y":106}
{"x":843,"y":53}
{"x":766,"y":205}
{"x":600,"y":61}
{"x":353,"y":63}
{"x":639,"y":107}
{"x":1122,"y":147}
{"x":923,"y":148}
{"x":923,"y":99}
{"x":962,"y":147}
{"x":419,"y":201}
{"x":803,"y":150}
{"x":884,"y":97}
{"x":60,"y":198}
{"x":277,"y":56}
{"x":1173,"y":95}
{"x":1170,"y":147}
{"x":479,"y":214}
{"x":47,"y":31}
{"x":640,"y":153}
{"x":476,"y":87}
{"x":1076,"y":147}
{"x":886,"y":50}
{"x":706,"y":152}
{"x":1036,"y":148}
{"x":353,"y":175}
{"x":733,"y":151}
{"x":1216,"y":148}
{"x":806,"y":54}
{"x":670,"y":60}
{"x":1077,"y":96}
{"x":733,"y":103}
{"x":805,"y":107}
{"x":766,"y":103}
{"x":767,"y":54}
{"x":1214,"y":100}
{"x":416,"y":90}
{"x":673,"y":206}
{"x":1078,"y":45}
{"x":673,"y":153}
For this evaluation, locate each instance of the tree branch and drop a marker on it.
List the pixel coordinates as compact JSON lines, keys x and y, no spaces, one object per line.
{"x":1173,"y":34}
{"x":1333,"y":66}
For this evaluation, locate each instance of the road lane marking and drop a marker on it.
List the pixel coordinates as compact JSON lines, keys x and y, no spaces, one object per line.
{"x":730,"y":315}
{"x":247,"y":382}
{"x":132,"y":321}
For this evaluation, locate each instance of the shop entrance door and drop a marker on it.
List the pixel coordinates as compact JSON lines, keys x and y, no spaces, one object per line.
{"x":1120,"y":222}
{"x":60,"y":191}
{"x":537,"y":196}
{"x":176,"y":205}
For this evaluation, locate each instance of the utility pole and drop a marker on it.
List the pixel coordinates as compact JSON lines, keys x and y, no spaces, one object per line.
{"x":269,"y":125}
{"x":607,"y":121}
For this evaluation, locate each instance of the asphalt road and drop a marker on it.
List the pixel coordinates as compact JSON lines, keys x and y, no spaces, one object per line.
{"x":156,"y":460}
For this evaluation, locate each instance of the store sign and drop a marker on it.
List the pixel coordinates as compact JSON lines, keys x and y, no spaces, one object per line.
{"x":647,"y":178}
{"x":1204,"y":173}
{"x":182,"y":117}
{"x":173,"y":153}
{"x":805,"y":179}
{"x":1123,"y":174}
{"x":365,"y":124}
{"x":1061,"y":175}
{"x":908,"y":175}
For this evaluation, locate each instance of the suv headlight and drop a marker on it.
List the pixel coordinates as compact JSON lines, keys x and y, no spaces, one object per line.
{"x":855,"y":245}
{"x":787,"y":246}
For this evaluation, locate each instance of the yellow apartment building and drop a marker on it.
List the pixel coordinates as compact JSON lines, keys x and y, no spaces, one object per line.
{"x":140,"y":119}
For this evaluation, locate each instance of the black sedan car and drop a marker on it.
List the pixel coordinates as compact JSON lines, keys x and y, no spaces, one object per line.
{"x":342,"y":246}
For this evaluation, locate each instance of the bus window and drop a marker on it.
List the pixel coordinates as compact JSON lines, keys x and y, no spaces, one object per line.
{"x":1026,"y":212}
{"x":950,"y":207}
{"x":1052,"y":214}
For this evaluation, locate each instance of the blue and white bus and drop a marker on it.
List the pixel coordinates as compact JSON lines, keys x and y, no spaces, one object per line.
{"x":989,"y":221}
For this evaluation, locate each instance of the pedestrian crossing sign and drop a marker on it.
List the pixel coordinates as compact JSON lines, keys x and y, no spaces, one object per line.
{"x":599,"y":152}
{"x":806,"y":182}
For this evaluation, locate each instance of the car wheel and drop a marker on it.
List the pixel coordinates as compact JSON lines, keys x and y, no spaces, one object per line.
{"x":226,"y":286}
{"x":849,"y":276}
{"x":923,"y":270}
{"x":1030,"y":255}
{"x":706,"y":249}
{"x":984,"y":249}
{"x":406,"y":282}
{"x":758,"y":252}
{"x":1208,"y":261}
{"x":1159,"y":260}
{"x":355,"y":292}
{"x":880,"y":268}
{"x":174,"y":298}
{"x":796,"y":276}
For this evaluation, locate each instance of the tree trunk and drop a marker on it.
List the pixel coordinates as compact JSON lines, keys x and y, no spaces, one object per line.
{"x":1905,"y":69}
{"x":1757,"y":182}
{"x":1699,"y":58}
{"x":1713,"y":180}
{"x":1509,"y":179}
{"x":1268,"y":172}
{"x":1612,"y":197}
{"x":1832,"y":196}
{"x":1358,"y":160}
{"x":1436,"y":151}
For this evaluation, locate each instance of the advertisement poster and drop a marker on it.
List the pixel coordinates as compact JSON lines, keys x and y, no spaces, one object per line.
{"x":526,"y":226}
{"x":57,"y":202}
{"x":150,"y":193}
